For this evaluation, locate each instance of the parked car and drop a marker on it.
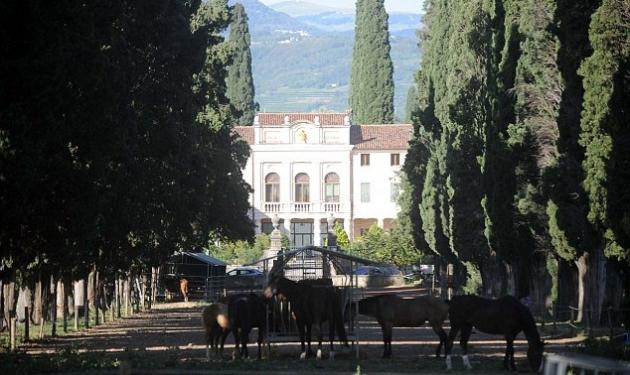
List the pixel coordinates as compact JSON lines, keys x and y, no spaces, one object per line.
{"x":378,"y":271}
{"x":244,"y":278}
{"x":244,"y":271}
{"x":368,"y":270}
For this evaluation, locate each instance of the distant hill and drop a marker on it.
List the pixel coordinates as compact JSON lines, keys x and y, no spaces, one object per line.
{"x":302,"y":63}
{"x":304,"y":8}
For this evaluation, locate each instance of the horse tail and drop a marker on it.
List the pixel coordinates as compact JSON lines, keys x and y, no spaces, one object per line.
{"x":338,"y":318}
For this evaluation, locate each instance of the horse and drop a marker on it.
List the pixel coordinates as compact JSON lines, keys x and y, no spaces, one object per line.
{"x":394,"y":311}
{"x":245,"y":312}
{"x":183,"y":287}
{"x":311,"y":305}
{"x":217,"y":326}
{"x":504,"y":316}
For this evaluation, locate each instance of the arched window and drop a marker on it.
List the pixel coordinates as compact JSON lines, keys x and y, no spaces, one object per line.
{"x":272,"y":188}
{"x":301,"y":188}
{"x":331,"y":187}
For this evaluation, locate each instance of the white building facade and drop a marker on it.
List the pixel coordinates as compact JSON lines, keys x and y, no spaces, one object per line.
{"x":305,"y":167}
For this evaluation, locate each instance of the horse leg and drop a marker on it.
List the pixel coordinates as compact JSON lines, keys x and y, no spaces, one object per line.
{"x":237,"y":340}
{"x":331,"y":336}
{"x":387,"y":339}
{"x":509,"y":353}
{"x":463,"y":342}
{"x":319,"y":339}
{"x":449,"y":344}
{"x":209,"y":339}
{"x":260,"y":340}
{"x":437,"y":328}
{"x":301,"y":327}
{"x":224,"y":334}
{"x":244,"y":342}
{"x":309,"y":327}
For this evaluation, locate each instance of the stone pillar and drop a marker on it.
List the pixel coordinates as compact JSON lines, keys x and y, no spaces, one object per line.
{"x":332,"y":237}
{"x":276,"y":239}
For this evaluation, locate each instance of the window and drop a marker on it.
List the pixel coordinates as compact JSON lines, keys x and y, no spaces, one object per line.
{"x":331,"y":187}
{"x":272,"y":188}
{"x":394,"y":159}
{"x":395,"y":191}
{"x":301,"y":233}
{"x":365,"y":159}
{"x":365,"y":192}
{"x":301,"y":188}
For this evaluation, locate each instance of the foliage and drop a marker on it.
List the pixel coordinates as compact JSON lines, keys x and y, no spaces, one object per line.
{"x":605,"y":134}
{"x":116,"y":145}
{"x":240,"y":84}
{"x":371,"y":80}
{"x":385,"y":247}
{"x":239,"y":251}
{"x":503,"y":183}
{"x":343,"y":241}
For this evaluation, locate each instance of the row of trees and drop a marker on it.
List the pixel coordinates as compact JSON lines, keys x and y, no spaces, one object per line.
{"x":115,"y":140}
{"x":519,"y":164}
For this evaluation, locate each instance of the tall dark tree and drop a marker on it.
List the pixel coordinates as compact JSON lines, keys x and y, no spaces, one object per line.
{"x":371,"y":80}
{"x":240,"y":83}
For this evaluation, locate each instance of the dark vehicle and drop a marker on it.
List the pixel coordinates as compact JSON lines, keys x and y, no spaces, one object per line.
{"x":244,"y":278}
{"x":244,"y":271}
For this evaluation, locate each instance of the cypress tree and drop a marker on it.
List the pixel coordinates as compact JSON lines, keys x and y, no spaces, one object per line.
{"x":371,"y":80}
{"x":411,"y":103}
{"x":605,"y":133}
{"x":240,"y":84}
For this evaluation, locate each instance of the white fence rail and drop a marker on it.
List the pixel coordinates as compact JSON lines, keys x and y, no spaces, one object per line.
{"x":581,"y":364}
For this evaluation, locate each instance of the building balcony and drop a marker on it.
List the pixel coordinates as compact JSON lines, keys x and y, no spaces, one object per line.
{"x":303,"y":207}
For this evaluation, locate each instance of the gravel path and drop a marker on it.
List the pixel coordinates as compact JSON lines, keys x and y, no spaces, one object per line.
{"x":170,"y":338}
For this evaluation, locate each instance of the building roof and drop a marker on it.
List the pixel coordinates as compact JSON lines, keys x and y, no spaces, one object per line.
{"x":381,"y":137}
{"x":325,"y":118}
{"x":246,"y":133}
{"x":205,"y":258}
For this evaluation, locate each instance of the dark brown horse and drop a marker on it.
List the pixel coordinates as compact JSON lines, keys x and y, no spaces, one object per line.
{"x":217,"y":326}
{"x":311,"y":305}
{"x":504,"y":316}
{"x":245,"y":312}
{"x":394,"y":311}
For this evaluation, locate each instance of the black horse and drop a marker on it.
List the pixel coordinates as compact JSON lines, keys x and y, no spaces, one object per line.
{"x":504,"y":316}
{"x":310,"y":305}
{"x":394,"y":311}
{"x":246,"y":311}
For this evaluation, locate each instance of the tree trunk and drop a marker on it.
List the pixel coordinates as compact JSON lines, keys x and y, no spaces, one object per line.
{"x":583,"y":289}
{"x":2,"y":324}
{"x":567,"y":291}
{"x":86,"y":302}
{"x":37,"y":303}
{"x":598,"y":282}
{"x":95,"y":295}
{"x":53,"y":305}
{"x":541,"y":283}
{"x":510,"y":279}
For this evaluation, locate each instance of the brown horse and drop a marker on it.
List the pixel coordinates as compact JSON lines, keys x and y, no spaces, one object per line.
{"x":394,"y":311}
{"x":311,"y":305}
{"x":217,"y":326}
{"x":183,"y":287}
{"x":247,"y":311}
{"x":505,"y":316}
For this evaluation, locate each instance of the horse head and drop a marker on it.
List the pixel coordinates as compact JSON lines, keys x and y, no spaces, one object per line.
{"x":535,"y":355}
{"x":278,"y":285}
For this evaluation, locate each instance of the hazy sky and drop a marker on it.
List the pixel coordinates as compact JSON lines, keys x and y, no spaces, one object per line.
{"x":412,"y":6}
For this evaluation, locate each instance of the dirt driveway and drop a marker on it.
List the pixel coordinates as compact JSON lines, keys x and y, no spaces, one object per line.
{"x":169,"y":339}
